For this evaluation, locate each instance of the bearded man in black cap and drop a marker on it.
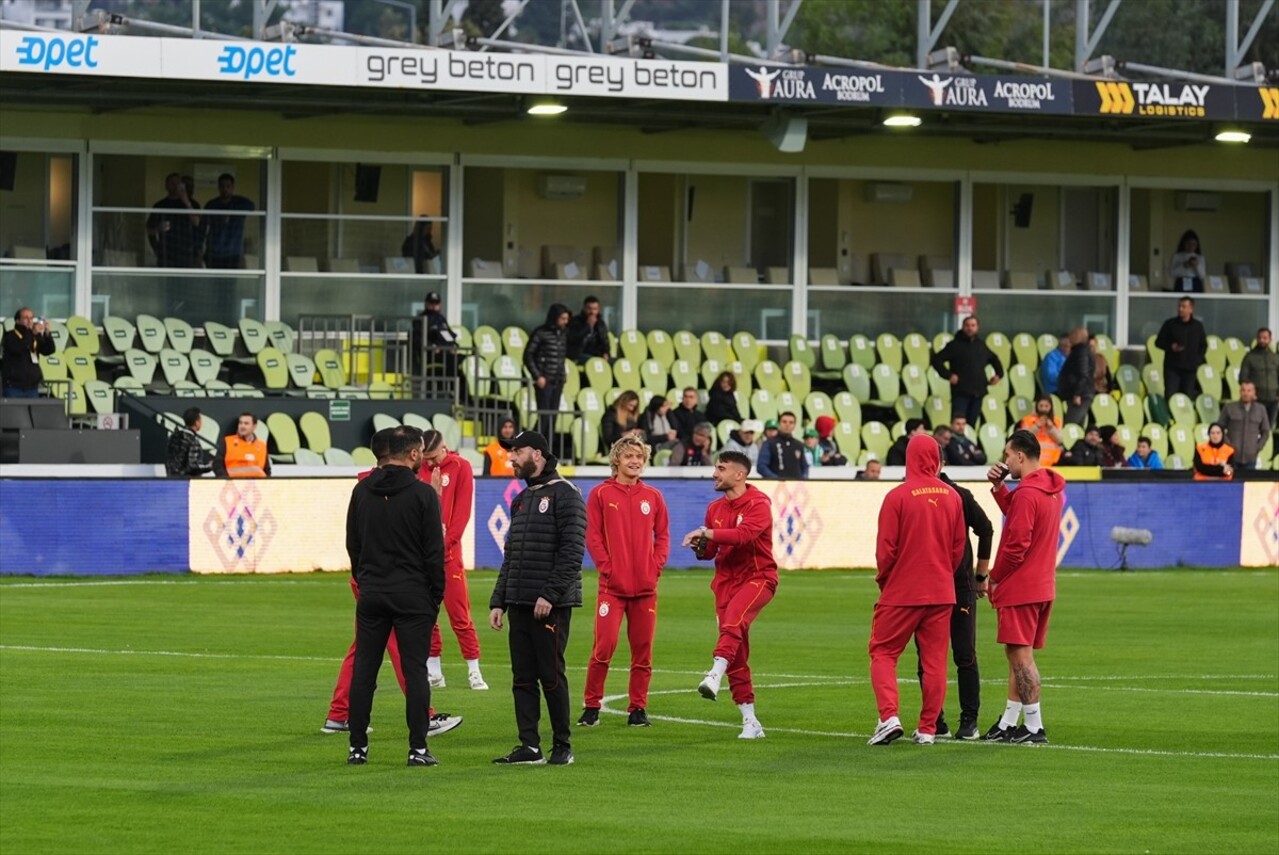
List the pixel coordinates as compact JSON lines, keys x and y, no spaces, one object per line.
{"x":538,"y":587}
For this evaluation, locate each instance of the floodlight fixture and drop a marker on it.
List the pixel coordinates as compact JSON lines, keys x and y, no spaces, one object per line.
{"x":1233,"y":135}
{"x":902,"y":120}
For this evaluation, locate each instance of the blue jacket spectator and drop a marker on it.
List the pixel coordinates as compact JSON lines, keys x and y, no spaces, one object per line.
{"x":1145,"y":457}
{"x":1050,"y":368}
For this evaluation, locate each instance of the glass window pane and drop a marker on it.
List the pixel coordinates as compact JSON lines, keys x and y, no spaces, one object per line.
{"x":38,"y":211}
{"x":194,"y":297}
{"x":384,"y":297}
{"x":1012,"y":313}
{"x":50,"y":292}
{"x":763,"y":312}
{"x":340,"y":245}
{"x":847,"y":312}
{"x":1229,"y":230}
{"x":1230,"y":316}
{"x":525,"y":304}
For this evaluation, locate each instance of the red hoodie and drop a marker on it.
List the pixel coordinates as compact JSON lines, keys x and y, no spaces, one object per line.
{"x":921,"y":533}
{"x":456,"y":495}
{"x":742,"y":545}
{"x":628,"y":535}
{"x":1025,"y":568}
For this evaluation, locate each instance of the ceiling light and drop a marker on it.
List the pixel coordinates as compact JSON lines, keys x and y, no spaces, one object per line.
{"x":1233,"y":136}
{"x":546,"y":107}
{"x":902,"y":120}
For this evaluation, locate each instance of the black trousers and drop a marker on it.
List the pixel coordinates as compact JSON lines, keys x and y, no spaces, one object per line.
{"x":963,"y":648}
{"x":537,"y":657}
{"x":548,"y":401}
{"x":412,"y":616}
{"x":1180,"y":381}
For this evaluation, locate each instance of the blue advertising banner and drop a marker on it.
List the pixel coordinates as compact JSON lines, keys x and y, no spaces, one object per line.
{"x":93,"y":528}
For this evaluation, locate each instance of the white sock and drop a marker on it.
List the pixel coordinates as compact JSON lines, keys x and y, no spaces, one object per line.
{"x":748,"y":711}
{"x":433,"y":666}
{"x":1011,"y":712}
{"x":719,"y":666}
{"x":1034,"y":722}
{"x":473,"y":666}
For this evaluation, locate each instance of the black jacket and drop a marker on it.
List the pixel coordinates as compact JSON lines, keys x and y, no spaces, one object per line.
{"x":967,"y":357}
{"x":20,"y":344}
{"x":1191,"y":336}
{"x":1083,"y":454}
{"x":395,"y":536}
{"x":977,"y":521}
{"x":547,"y":348}
{"x":897,"y":452}
{"x":683,"y":421}
{"x":184,"y":458}
{"x":962,"y":451}
{"x":722,"y":405}
{"x":1076,"y":378}
{"x":583,"y":342}
{"x":544,"y":546}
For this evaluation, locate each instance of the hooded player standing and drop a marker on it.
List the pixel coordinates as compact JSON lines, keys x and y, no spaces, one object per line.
{"x":921,"y":541}
{"x":738,"y":534}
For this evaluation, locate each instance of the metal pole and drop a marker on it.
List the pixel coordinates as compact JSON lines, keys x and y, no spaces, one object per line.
{"x":922,"y":26}
{"x":723,"y":31}
{"x":1081,"y":34}
{"x":773,"y":17}
{"x":1232,"y":37}
{"x":606,"y":24}
{"x":1047,"y":25}
{"x":195,"y":20}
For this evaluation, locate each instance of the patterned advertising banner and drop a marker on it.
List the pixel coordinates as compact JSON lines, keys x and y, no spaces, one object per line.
{"x":1259,"y":533}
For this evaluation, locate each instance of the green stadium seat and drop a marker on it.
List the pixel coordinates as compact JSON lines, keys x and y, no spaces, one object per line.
{"x":120,"y":336}
{"x":1001,"y":347}
{"x":661,"y":347}
{"x":306,"y":457}
{"x":382,"y":421}
{"x":994,"y":412}
{"x":716,"y":346}
{"x":747,"y":350}
{"x":848,"y":440}
{"x":917,"y":351}
{"x":1181,"y":441}
{"x":626,"y":375}
{"x":599,"y":374}
{"x":514,"y":342}
{"x":936,"y":411}
{"x":473,"y":457}
{"x":1026,"y":350}
{"x":1003,"y":388}
{"x":801,"y":351}
{"x":915,"y":381}
{"x":281,"y":336}
{"x":745,"y":381}
{"x":1047,"y":343}
{"x":127,"y":384}
{"x":834,"y":356}
{"x":1209,"y":380}
{"x":1109,"y":352}
{"x":284,"y":437}
{"x":1154,"y":354}
{"x":174,"y":366}
{"x":818,"y":404}
{"x":941,"y":340}
{"x":275,"y":369}
{"x":337,"y":457}
{"x":938,"y":385}
{"x":799,"y":379}
{"x":80,"y":367}
{"x":363,"y":456}
{"x":57,"y":331}
{"x":487,"y":342}
{"x":477,"y":376}
{"x":152,"y":336}
{"x":683,"y":374}
{"x":1208,"y":408}
{"x":634,"y":345}
{"x":332,"y":372}
{"x":1126,"y":435}
{"x":652,"y":375}
{"x":1131,"y":411}
{"x":889,"y":349}
{"x":877,"y":439}
{"x":887,"y":385}
{"x":100,"y":396}
{"x":769,"y":376}
{"x":1232,"y":381}
{"x":315,"y":428}
{"x":1022,"y":380}
{"x":84,"y":335}
{"x":1158,"y":437}
{"x":185,"y":389}
{"x":1071,"y":433}
{"x":221,"y":339}
{"x":992,"y":438}
{"x":211,"y":432}
{"x":586,"y":440}
{"x":724,"y":428}
{"x":216,"y":388}
{"x":1105,"y":411}
{"x":254,"y":336}
{"x":1019,"y":406}
{"x":1235,"y":351}
{"x":1183,"y":410}
{"x":857,"y":381}
{"x":763,"y":404}
{"x":908,"y":407}
{"x":1128,"y":379}
{"x":508,"y":375}
{"x":789,"y":402}
{"x":205,"y":367}
{"x":417,"y":421}
{"x":448,"y":426}
{"x":141,"y":365}
{"x":1152,"y":377}
{"x":572,"y":379}
{"x":591,"y":403}
{"x":1215,"y":355}
{"x":301,"y":370}
{"x":847,"y":408}
{"x":181,"y":336}
{"x":688,"y":347}
{"x":862,"y":352}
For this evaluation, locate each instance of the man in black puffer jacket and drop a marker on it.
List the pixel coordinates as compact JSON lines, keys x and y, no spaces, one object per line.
{"x":963,"y":362}
{"x":544,"y":359}
{"x":538,"y":587}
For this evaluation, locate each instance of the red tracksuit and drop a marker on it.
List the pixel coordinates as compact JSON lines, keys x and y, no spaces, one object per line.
{"x":456,"y":497}
{"x":1023,"y":580}
{"x":745,"y":578}
{"x":628,"y":535}
{"x":921,"y":541}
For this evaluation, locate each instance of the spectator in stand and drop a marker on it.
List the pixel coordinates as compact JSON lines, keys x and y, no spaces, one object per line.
{"x":1100,"y":369}
{"x":872,"y":471}
{"x":1247,"y":426}
{"x":23,"y":346}
{"x":699,"y":451}
{"x":242,"y":454}
{"x":497,"y":460}
{"x":184,"y":457}
{"x":419,"y":245}
{"x":224,"y":232}
{"x":812,"y":448}
{"x":782,"y":457}
{"x":174,"y":237}
{"x":686,"y":416}
{"x":1260,"y":367}
{"x":1075,"y":385}
{"x":620,"y":419}
{"x":722,"y":403}
{"x":587,"y":333}
{"x":770,"y":430}
{"x":962,"y":451}
{"x":658,"y":430}
{"x":742,"y":440}
{"x":1112,"y":453}
{"x":826,"y":440}
{"x":1188,"y":266}
{"x":963,"y":360}
{"x":440,"y":337}
{"x":544,"y":358}
{"x":1214,"y":459}
{"x":1047,"y":430}
{"x":1087,"y":451}
{"x":1184,"y":343}
{"x":1050,"y":368}
{"x":944,"y":437}
{"x":1145,"y":457}
{"x":897,"y":454}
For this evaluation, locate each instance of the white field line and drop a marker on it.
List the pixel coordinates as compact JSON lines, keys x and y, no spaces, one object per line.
{"x":1151,"y":752}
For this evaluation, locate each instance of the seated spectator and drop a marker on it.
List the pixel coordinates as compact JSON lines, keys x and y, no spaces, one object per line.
{"x":782,"y":457}
{"x":1112,"y":452}
{"x":1100,"y":369}
{"x":497,"y":460}
{"x":23,"y":346}
{"x":1214,"y":459}
{"x":1050,"y":368}
{"x":897,"y":454}
{"x":1076,"y":383}
{"x":1247,"y":426}
{"x":1087,"y":451}
{"x":962,"y":451}
{"x":742,"y":440}
{"x":826,"y":441}
{"x":621,"y":418}
{"x":686,"y":416}
{"x":1047,"y":429}
{"x":242,"y":454}
{"x":699,"y":451}
{"x":184,"y":457}
{"x":770,"y":430}
{"x":658,"y":430}
{"x":587,"y":333}
{"x":812,"y":451}
{"x":722,"y":399}
{"x":871,"y":472}
{"x":1145,"y":457}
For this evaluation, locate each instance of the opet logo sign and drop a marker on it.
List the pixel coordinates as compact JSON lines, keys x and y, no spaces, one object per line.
{"x":49,"y":54}
{"x":250,"y":62}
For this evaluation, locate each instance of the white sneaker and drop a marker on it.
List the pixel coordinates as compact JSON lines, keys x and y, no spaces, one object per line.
{"x":442,"y":723}
{"x":886,"y":732}
{"x":751,"y":729}
{"x":436,"y":680}
{"x":923,"y":738}
{"x":709,"y":687}
{"x":477,"y":682}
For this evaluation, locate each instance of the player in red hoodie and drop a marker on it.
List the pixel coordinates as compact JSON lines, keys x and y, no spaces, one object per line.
{"x":738,"y":534}
{"x":628,"y":535}
{"x":1023,"y":582}
{"x":921,"y":541}
{"x":454,"y":482}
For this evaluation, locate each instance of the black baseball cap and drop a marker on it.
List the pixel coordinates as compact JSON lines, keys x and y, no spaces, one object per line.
{"x":433,"y":297}
{"x":529,"y":439}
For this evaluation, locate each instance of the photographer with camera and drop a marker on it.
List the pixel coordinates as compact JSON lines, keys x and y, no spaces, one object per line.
{"x":1047,"y":430}
{"x":23,"y":346}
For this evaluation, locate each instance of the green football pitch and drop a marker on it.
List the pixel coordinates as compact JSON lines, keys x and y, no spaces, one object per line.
{"x":183,"y":715}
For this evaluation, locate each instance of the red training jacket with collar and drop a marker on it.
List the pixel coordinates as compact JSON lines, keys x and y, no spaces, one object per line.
{"x":922,"y":534}
{"x":742,"y":545}
{"x":456,"y":497}
{"x":628,"y":536}
{"x":1025,"y":568}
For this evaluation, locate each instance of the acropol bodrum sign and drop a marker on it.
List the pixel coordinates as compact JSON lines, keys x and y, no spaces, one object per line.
{"x":778,"y":84}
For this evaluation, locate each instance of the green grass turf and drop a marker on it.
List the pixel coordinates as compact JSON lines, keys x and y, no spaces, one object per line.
{"x":1161,"y":698}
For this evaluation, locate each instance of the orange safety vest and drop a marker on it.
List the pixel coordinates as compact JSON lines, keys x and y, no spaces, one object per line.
{"x":245,"y":458}
{"x":1049,"y":450}
{"x":499,"y":460}
{"x":1213,"y":457}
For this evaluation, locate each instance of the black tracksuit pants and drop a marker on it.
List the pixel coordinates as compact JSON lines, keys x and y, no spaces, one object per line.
{"x":963,"y":645}
{"x":537,"y":657}
{"x":412,"y":616}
